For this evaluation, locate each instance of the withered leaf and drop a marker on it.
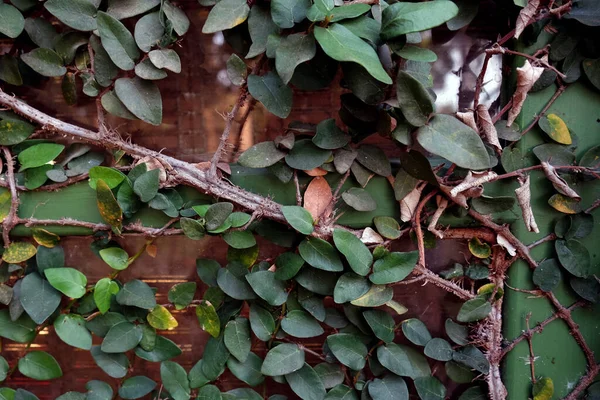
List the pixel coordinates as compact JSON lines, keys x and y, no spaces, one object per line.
{"x":317,"y":197}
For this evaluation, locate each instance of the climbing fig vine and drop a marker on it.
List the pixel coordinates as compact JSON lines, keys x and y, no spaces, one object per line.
{"x":332,"y":282}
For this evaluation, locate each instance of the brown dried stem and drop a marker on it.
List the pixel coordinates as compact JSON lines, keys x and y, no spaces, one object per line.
{"x":10,"y":220}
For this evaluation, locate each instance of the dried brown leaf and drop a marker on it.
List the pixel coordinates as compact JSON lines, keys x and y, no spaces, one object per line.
{"x":524,"y":198}
{"x":153,"y":163}
{"x":369,"y":236}
{"x":316,"y":172}
{"x":559,"y":183}
{"x":486,"y":126}
{"x":409,"y":203}
{"x":472,"y":185}
{"x":467,"y":118}
{"x":459,"y":199}
{"x":442,"y":204}
{"x":526,"y":16}
{"x":527,"y":75}
{"x":317,"y":197}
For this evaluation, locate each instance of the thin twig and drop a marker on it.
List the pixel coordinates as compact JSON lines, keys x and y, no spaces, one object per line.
{"x":561,"y":89}
{"x":10,"y":220}
{"x":545,"y":239}
{"x":297,"y":184}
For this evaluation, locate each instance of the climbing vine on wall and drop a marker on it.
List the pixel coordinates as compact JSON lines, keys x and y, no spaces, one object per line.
{"x":331,"y":281}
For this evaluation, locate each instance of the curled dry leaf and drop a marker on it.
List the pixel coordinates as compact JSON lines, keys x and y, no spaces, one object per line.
{"x":153,"y":163}
{"x":502,"y":241}
{"x":527,"y":75}
{"x":559,"y":183}
{"x":459,"y":199}
{"x":486,"y":126}
{"x":272,"y":268}
{"x":369,"y":236}
{"x":408,"y":204}
{"x":526,"y":16}
{"x":524,"y":198}
{"x":473,"y":180}
{"x":317,"y":197}
{"x":442,"y":204}
{"x":467,"y":118}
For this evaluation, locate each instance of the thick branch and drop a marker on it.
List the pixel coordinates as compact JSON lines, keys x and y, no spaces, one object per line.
{"x":182,"y":171}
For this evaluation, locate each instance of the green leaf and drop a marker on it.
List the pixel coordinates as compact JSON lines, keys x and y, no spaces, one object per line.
{"x":226,"y":14}
{"x":288,"y":264}
{"x":71,"y":329}
{"x":192,"y":228}
{"x":146,"y":185}
{"x":248,"y":371}
{"x":17,"y":252}
{"x":586,"y":12}
{"x":115,"y":365}
{"x":293,"y":50}
{"x":350,"y":286}
{"x":474,"y":310}
{"x":77,"y":14}
{"x":196,"y":376}
{"x":377,"y":296}
{"x":164,"y":349}
{"x":100,"y":325}
{"x":14,"y":131}
{"x":554,"y":154}
{"x":182,"y":294}
{"x":98,"y":390}
{"x":166,"y":59}
{"x":140,"y":97}
{"x":207,"y":270}
{"x":459,"y":373}
{"x":341,"y":44}
{"x":38,"y":297}
{"x":177,"y":17}
{"x":387,"y":227}
{"x":429,"y":388}
{"x":217,"y":214}
{"x":108,"y":207}
{"x":234,"y":284}
{"x":261,"y":322}
{"x":374,"y":159}
{"x":115,"y":257}
{"x":285,"y":13}
{"x":305,"y":155}
{"x":381,"y":323}
{"x":137,"y":294}
{"x":588,"y":288}
{"x":320,"y":254}
{"x":11,"y":21}
{"x":117,"y":41}
{"x":479,"y":249}
{"x":145,"y":70}
{"x":268,"y":287}
{"x":148,"y":31}
{"x":418,"y":166}
{"x":449,"y":138}
{"x":208,"y":318}
{"x":331,"y":374}
{"x":136,"y":387}
{"x":270,"y":90}
{"x":403,"y":360}
{"x":357,"y":254}
{"x":300,"y":324}
{"x":161,"y":318}
{"x":416,"y":331}
{"x":329,"y":137}
{"x":237,"y":70}
{"x":239,"y":239}
{"x":40,"y":366}
{"x":402,"y":18}
{"x":214,"y":358}
{"x":317,"y":281}
{"x":283,"y":359}
{"x":416,"y":53}
{"x":122,"y":337}
{"x":394,"y":267}
{"x":299,"y":218}
{"x":175,"y":380}
{"x":547,"y":275}
{"x":438,"y":349}
{"x":389,"y":388}
{"x":306,"y":383}
{"x":110,"y":176}
{"x":21,"y":330}
{"x":39,"y":154}
{"x":490,"y":205}
{"x":574,"y":257}
{"x":9,"y":70}
{"x":359,"y":199}
{"x":341,"y":392}
{"x":348,"y":349}
{"x":237,"y":338}
{"x":261,"y":155}
{"x":260,"y":26}
{"x":414,"y":99}
{"x":7,"y":393}
{"x":473,"y":358}
{"x":591,"y":158}
{"x":209,"y":392}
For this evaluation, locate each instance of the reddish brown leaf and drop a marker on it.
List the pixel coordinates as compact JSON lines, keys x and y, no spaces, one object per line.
{"x":316,"y":172}
{"x":526,"y":16}
{"x":317,"y":197}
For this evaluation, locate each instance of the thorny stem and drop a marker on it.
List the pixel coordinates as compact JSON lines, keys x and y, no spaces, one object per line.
{"x":10,"y":220}
{"x":561,"y":89}
{"x":298,"y":194}
{"x":545,"y":239}
{"x":531,"y":355}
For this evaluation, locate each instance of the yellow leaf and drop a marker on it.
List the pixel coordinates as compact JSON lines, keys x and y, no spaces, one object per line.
{"x":543,"y":389}
{"x":556,"y":128}
{"x":45,"y":238}
{"x":564,"y":204}
{"x":5,"y":200}
{"x":18,"y":252}
{"x":488,"y":289}
{"x":107,"y":205}
{"x":161,"y":318}
{"x":208,"y":318}
{"x":479,"y":249}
